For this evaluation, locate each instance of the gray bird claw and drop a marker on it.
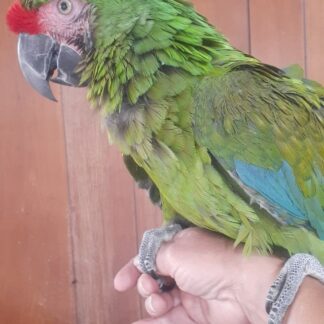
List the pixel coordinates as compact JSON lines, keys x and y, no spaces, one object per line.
{"x":151,"y":242}
{"x":285,"y":287}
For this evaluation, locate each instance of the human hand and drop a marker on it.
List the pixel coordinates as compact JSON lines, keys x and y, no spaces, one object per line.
{"x":215,"y":282}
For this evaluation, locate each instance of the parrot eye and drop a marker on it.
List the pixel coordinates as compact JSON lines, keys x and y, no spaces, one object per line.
{"x":64,"y":7}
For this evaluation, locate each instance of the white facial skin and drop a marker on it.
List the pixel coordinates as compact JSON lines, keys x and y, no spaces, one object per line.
{"x":63,"y":19}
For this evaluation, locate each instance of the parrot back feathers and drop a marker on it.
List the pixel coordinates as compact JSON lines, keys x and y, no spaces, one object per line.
{"x":266,"y":130}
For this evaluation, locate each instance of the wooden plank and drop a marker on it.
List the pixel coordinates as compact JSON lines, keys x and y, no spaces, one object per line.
{"x":230,"y":17}
{"x":102,"y":210}
{"x":35,"y":271}
{"x":314,"y":14}
{"x":277,"y":31}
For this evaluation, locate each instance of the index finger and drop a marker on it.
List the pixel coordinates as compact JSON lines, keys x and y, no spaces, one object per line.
{"x":126,"y":278}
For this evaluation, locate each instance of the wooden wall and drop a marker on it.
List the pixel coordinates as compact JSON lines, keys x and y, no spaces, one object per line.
{"x":70,"y":214}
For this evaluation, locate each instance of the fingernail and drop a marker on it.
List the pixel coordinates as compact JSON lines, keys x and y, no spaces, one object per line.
{"x":149,"y":305}
{"x":142,"y":288}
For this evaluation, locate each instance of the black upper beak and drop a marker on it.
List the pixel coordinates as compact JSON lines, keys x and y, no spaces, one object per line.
{"x":40,"y":55}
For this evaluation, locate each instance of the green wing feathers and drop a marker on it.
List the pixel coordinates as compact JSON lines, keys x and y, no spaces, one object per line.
{"x":230,"y":144}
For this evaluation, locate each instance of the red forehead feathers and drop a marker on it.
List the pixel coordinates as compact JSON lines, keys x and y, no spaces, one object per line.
{"x":20,"y":20}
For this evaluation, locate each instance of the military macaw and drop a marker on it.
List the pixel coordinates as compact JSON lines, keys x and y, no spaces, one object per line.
{"x":218,"y":138}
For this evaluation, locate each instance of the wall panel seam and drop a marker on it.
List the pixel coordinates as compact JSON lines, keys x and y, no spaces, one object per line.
{"x":70,"y":216}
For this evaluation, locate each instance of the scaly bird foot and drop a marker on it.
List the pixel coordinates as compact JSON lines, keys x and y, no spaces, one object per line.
{"x":285,"y":287}
{"x":151,"y":242}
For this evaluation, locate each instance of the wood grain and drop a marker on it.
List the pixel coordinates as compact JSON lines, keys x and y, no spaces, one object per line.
{"x":35,"y":271}
{"x":314,"y":22}
{"x":277,"y":31}
{"x":230,"y":17}
{"x":102,"y":211}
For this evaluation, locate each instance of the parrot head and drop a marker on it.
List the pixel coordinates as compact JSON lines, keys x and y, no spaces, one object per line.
{"x":85,"y":43}
{"x":117,"y":48}
{"x":54,"y":36}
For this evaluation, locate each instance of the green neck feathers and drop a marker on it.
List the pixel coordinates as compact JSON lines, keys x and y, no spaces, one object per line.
{"x":138,"y":43}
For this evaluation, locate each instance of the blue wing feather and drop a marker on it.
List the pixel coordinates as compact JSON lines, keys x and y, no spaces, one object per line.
{"x":281,"y":190}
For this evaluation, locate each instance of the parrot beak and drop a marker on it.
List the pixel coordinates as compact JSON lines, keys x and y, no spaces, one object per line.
{"x":40,"y":55}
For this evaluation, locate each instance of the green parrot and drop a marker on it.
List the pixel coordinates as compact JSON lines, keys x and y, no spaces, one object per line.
{"x":219,"y":139}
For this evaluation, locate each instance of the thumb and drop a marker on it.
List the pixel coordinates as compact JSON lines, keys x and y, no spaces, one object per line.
{"x":170,"y":255}
{"x":193,"y":253}
{"x":184,"y":251}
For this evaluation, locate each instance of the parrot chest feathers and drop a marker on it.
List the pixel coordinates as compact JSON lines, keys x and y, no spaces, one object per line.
{"x":141,"y":129}
{"x":127,"y":129}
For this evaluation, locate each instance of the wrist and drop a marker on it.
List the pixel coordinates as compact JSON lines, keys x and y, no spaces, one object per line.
{"x":307,"y":308}
{"x":254,"y":280}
